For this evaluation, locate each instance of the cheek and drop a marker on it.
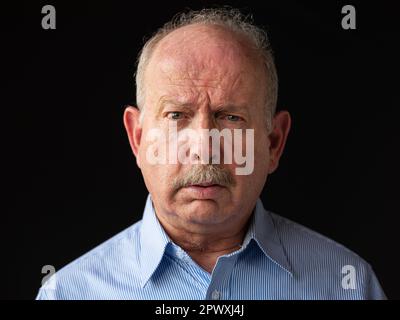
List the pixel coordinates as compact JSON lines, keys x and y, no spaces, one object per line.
{"x":261,"y":157}
{"x":261,"y":145}
{"x":261,"y":153}
{"x":158,"y":180}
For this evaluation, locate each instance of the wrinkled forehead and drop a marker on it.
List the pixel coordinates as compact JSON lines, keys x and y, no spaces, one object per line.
{"x":204,"y":57}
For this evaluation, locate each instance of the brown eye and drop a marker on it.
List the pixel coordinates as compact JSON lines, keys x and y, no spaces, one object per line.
{"x":175,"y":115}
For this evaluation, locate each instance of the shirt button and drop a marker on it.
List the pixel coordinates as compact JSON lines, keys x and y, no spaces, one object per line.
{"x":216,"y":295}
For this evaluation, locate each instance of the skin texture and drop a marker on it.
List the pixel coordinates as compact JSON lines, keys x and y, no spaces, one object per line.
{"x":213,"y":79}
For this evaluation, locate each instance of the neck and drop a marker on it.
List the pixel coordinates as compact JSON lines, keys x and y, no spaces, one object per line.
{"x":205,"y":248}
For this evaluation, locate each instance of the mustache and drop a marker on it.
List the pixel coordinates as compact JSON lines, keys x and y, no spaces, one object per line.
{"x":208,"y":173}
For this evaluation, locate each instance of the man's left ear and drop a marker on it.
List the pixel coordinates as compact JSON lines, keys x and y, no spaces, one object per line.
{"x":280,"y":129}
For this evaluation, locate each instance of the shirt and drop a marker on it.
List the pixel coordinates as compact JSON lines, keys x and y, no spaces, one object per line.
{"x":278,"y":259}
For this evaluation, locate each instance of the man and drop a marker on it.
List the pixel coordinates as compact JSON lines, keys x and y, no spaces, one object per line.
{"x":204,"y":232}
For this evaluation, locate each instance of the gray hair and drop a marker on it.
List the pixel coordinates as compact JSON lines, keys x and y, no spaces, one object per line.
{"x":234,"y":21}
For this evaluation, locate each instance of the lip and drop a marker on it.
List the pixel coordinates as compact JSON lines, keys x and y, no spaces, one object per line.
{"x":205,"y":184}
{"x":205,"y":191}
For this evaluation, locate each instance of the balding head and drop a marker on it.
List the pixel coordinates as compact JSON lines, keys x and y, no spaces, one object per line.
{"x":218,"y":36}
{"x":194,"y":57}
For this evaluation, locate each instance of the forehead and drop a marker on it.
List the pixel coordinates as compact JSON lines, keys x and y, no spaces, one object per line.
{"x":208,"y":60}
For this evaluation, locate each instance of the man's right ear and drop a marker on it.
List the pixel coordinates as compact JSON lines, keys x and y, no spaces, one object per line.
{"x":133,"y":129}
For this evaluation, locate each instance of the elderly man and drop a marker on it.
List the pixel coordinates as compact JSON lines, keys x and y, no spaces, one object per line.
{"x":204,"y":233}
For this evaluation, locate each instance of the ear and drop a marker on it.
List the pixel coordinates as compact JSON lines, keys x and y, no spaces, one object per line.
{"x":133,"y":129}
{"x":277,"y":137}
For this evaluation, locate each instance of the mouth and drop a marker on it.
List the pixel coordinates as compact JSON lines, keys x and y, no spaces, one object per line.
{"x":205,"y":190}
{"x":205,"y":185}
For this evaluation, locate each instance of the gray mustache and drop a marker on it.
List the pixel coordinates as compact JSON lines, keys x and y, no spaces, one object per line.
{"x":209,"y":173}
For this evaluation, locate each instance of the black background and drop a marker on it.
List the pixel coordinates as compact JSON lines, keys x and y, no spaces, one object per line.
{"x":70,"y":181}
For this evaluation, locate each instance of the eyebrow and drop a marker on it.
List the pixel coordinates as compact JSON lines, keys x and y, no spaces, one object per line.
{"x":163,"y":102}
{"x":234,"y":108}
{"x":188,"y":105}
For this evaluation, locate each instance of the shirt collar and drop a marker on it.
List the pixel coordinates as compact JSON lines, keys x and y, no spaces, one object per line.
{"x":262,"y":230}
{"x":154,"y":239}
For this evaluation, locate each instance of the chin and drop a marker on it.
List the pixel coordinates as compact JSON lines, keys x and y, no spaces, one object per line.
{"x":204,"y":212}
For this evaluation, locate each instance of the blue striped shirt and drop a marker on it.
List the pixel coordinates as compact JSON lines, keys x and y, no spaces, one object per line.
{"x":278,"y":259}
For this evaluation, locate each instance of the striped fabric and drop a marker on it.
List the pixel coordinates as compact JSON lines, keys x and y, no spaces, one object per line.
{"x":279,"y":259}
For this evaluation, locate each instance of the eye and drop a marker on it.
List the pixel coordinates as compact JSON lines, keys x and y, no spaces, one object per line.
{"x":233,"y":118}
{"x":175,"y":115}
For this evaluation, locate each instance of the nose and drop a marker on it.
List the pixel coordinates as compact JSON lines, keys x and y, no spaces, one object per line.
{"x":201,"y":150}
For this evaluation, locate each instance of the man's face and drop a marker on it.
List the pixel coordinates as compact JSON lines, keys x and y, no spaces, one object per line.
{"x":198,"y":78}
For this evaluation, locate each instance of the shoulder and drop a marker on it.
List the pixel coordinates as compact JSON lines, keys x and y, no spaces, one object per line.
{"x":292,"y":233}
{"x":324,"y":263}
{"x":299,"y":240}
{"x":97,"y":270}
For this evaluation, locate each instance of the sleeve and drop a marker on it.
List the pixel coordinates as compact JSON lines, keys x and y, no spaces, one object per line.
{"x":374,"y":290}
{"x":42,"y":295}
